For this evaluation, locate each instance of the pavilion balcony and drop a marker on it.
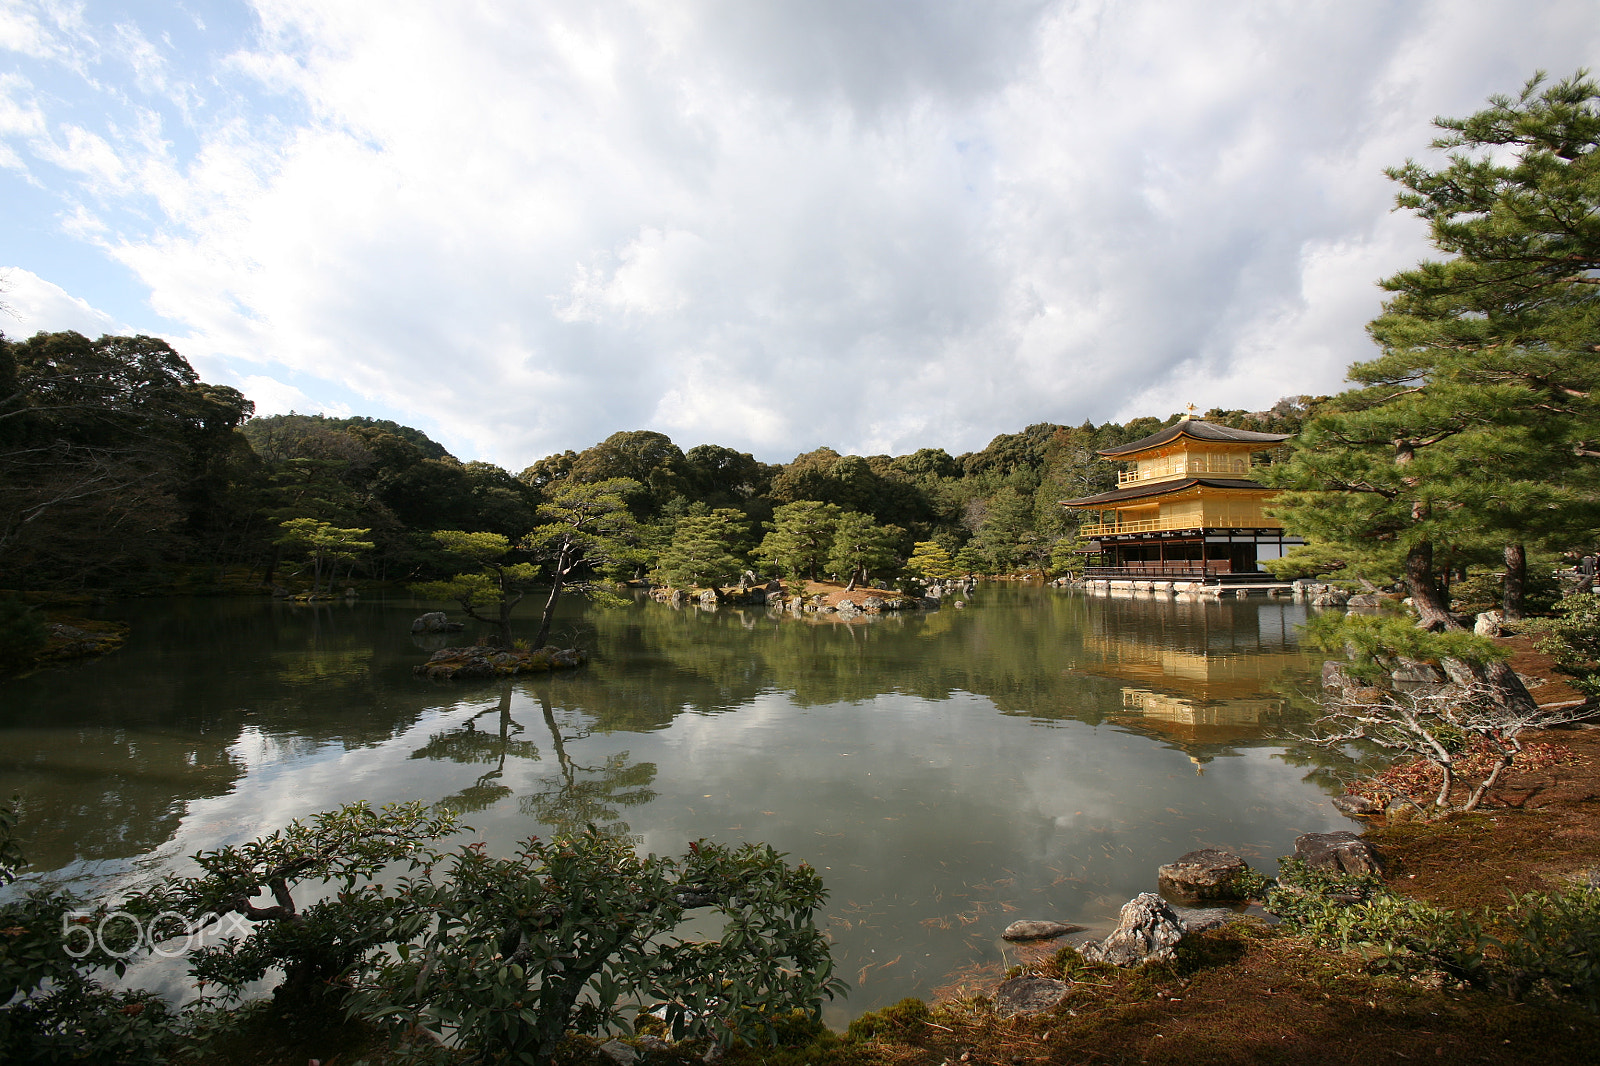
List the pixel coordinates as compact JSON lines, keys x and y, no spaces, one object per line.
{"x":1214,"y":466}
{"x":1195,"y":522}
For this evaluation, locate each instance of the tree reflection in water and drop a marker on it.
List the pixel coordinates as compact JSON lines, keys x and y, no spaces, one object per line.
{"x":572,"y":797}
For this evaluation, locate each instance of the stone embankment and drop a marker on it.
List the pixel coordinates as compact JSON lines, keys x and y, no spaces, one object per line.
{"x":819,"y":598}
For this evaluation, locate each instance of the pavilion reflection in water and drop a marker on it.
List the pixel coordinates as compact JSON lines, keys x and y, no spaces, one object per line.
{"x":1200,"y":674}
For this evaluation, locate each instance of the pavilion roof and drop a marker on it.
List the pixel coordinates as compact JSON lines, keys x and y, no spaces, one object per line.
{"x":1198,"y":430}
{"x":1164,"y":488}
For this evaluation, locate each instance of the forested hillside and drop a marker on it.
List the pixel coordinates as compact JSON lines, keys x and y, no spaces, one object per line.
{"x":121,"y":470}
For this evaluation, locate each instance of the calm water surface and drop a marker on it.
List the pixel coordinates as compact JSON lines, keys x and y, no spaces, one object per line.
{"x":1037,"y":754}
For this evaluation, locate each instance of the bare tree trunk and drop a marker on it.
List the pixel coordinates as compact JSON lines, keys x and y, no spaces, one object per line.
{"x":549,"y":611}
{"x":1441,"y":802}
{"x":1516,"y":581}
{"x":504,"y":621}
{"x":1487,"y":783}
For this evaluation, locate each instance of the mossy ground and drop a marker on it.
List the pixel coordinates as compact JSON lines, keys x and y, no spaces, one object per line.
{"x":1248,"y":994}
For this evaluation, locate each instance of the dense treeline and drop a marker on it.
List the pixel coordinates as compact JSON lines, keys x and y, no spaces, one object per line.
{"x":122,"y":470}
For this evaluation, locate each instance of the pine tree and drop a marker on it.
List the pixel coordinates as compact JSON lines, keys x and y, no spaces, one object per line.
{"x":702,"y":550}
{"x":586,"y":527}
{"x":861,"y":545}
{"x":930,"y":559}
{"x":1458,"y":443}
{"x":1507,"y":326}
{"x":801,"y":534}
{"x":490,"y":592}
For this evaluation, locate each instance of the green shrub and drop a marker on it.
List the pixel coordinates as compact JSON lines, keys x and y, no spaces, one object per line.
{"x":506,"y":955}
{"x":1572,"y":639}
{"x":1553,"y":946}
{"x":315,"y":946}
{"x":907,"y":1015}
{"x":1540,"y":944}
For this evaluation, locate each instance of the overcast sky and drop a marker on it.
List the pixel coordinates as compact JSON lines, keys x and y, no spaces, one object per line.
{"x":770,"y":224}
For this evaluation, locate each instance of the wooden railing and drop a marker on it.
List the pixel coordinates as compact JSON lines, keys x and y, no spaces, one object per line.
{"x":1190,"y":468}
{"x":1196,"y":522}
{"x":1152,"y":569}
{"x":1107,"y":529}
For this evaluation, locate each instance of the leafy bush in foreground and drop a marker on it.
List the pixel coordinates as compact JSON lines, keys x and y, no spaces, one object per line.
{"x":503,"y":955}
{"x":507,"y":955}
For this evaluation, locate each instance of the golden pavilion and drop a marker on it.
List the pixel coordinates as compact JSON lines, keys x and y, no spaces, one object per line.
{"x":1186,"y":508}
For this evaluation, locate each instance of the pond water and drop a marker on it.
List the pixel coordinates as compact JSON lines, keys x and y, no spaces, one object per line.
{"x":1035,"y":755}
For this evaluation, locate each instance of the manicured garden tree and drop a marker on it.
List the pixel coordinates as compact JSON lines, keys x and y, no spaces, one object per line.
{"x":931,"y":560}
{"x":489,"y":593}
{"x":1505,"y":325}
{"x":800,"y":537}
{"x":1457,"y":444}
{"x":701,"y":552}
{"x":567,"y":934}
{"x":325,"y":544}
{"x":971,"y":561}
{"x":860,"y":545}
{"x":314,"y":946}
{"x":1067,"y":555}
{"x":586,"y":527}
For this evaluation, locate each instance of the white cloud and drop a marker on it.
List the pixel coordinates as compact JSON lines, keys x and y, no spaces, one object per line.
{"x":273,"y":397}
{"x":772,"y":226}
{"x":38,"y":305}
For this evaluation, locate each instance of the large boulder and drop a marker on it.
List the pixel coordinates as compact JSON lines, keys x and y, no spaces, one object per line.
{"x":1201,"y":876}
{"x":435,"y":622}
{"x":1147,"y":929}
{"x":1029,"y":995}
{"x":1413,"y":672}
{"x":1339,"y":853}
